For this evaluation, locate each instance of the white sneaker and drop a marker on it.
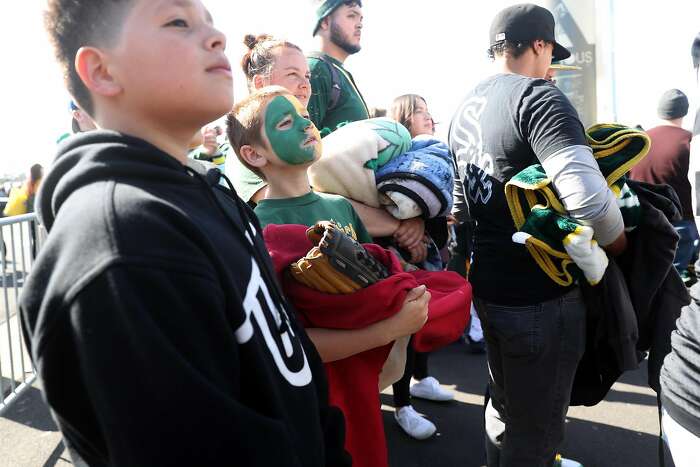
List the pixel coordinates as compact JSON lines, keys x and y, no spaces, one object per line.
{"x":429,"y":388}
{"x":413,"y":423}
{"x":564,"y":462}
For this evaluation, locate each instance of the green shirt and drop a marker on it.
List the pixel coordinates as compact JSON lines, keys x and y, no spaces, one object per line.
{"x":350,"y":107}
{"x":243,"y":179}
{"x":311,"y":208}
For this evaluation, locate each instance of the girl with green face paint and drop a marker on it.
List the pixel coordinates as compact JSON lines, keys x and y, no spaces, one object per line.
{"x":293,"y":138}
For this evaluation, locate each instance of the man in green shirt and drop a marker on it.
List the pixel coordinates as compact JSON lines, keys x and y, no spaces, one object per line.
{"x":335,"y":98}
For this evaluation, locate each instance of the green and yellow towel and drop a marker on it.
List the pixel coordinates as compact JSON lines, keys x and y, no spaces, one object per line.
{"x":561,"y":246}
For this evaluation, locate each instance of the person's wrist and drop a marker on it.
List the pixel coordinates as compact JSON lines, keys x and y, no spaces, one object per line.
{"x":385,"y":331}
{"x":397,"y":225}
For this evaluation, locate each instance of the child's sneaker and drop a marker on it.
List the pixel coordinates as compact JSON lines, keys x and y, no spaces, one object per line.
{"x":563,"y":462}
{"x":429,"y":388}
{"x":413,"y":423}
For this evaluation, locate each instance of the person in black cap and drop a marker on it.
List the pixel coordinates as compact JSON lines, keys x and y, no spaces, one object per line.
{"x":534,"y":328}
{"x":668,"y":162}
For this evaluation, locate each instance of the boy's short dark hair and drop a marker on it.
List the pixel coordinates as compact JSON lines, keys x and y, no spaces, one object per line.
{"x":244,"y":122}
{"x":72,"y":24}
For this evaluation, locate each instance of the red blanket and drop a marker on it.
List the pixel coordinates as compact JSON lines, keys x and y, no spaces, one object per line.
{"x":353,"y":381}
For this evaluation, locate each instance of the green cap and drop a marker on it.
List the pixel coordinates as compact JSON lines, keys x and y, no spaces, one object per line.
{"x":325,"y":8}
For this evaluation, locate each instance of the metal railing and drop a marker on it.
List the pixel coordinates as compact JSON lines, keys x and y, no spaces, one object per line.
{"x":20,"y":240}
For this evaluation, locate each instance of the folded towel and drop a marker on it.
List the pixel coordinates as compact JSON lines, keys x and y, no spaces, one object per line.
{"x":419,"y":181}
{"x":353,"y":152}
{"x":405,"y":198}
{"x":562,"y":247}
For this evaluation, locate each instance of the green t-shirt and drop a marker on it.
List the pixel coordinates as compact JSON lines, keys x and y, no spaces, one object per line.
{"x":350,"y":107}
{"x":311,"y":208}
{"x":244,"y":180}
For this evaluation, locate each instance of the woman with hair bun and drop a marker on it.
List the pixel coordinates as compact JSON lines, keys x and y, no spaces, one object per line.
{"x":268,"y":61}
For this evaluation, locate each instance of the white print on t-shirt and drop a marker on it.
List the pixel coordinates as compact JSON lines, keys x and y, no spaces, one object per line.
{"x":284,"y":346}
{"x":247,"y":233}
{"x":473,"y":162}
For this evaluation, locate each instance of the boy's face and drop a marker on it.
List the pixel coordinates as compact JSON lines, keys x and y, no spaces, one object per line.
{"x":170,"y":64}
{"x":290,"y":134}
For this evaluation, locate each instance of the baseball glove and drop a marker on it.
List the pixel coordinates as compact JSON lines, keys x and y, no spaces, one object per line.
{"x":337,"y":264}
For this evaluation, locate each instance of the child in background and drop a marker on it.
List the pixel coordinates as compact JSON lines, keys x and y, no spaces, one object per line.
{"x":272,"y":135}
{"x":80,"y":122}
{"x":412,"y":112}
{"x":208,"y":150}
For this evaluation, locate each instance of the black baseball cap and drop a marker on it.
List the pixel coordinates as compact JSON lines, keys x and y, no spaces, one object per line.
{"x":526,"y":22}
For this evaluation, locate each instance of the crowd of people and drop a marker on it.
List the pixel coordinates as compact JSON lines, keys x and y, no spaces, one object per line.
{"x":171,"y":239}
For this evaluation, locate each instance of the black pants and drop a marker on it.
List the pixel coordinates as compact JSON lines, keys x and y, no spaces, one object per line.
{"x":533,"y":352}
{"x":416,"y":366}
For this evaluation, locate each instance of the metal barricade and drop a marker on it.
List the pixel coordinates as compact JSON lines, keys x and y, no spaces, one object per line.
{"x":20,"y":240}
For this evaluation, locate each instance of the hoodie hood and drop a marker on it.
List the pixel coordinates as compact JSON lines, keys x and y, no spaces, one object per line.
{"x":103,"y":155}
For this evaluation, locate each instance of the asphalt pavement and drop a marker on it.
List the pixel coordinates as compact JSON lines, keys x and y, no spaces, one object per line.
{"x":622,"y":431}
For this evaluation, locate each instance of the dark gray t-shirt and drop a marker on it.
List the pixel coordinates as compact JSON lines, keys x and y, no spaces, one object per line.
{"x":507,"y":123}
{"x":680,"y":375}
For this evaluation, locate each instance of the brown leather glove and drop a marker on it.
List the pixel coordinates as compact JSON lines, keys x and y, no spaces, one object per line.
{"x":337,"y":264}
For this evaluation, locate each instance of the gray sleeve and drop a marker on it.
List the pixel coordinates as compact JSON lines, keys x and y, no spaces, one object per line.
{"x":694,"y":172}
{"x":584,"y":192}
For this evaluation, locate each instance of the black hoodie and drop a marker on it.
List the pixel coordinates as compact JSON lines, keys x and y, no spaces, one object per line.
{"x":155,"y":323}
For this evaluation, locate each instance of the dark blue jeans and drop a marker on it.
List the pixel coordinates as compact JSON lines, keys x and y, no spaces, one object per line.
{"x":687,"y":244}
{"x":533,"y":352}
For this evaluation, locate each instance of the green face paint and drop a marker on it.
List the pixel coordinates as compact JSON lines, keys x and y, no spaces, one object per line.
{"x":287,"y":131}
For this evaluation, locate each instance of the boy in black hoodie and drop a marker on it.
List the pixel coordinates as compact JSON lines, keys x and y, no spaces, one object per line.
{"x":153,"y":317}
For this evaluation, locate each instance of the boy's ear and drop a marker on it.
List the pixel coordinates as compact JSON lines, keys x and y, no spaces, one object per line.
{"x":91,"y":65}
{"x":252,"y":157}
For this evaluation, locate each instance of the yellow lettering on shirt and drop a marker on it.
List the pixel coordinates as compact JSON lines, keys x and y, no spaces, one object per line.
{"x":349,"y":230}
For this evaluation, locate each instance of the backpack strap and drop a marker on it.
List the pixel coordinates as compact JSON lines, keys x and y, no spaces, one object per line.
{"x":335,"y":79}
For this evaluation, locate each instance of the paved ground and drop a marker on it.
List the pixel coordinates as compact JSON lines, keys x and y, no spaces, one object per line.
{"x":620,"y":432}
{"x":28,"y":435}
